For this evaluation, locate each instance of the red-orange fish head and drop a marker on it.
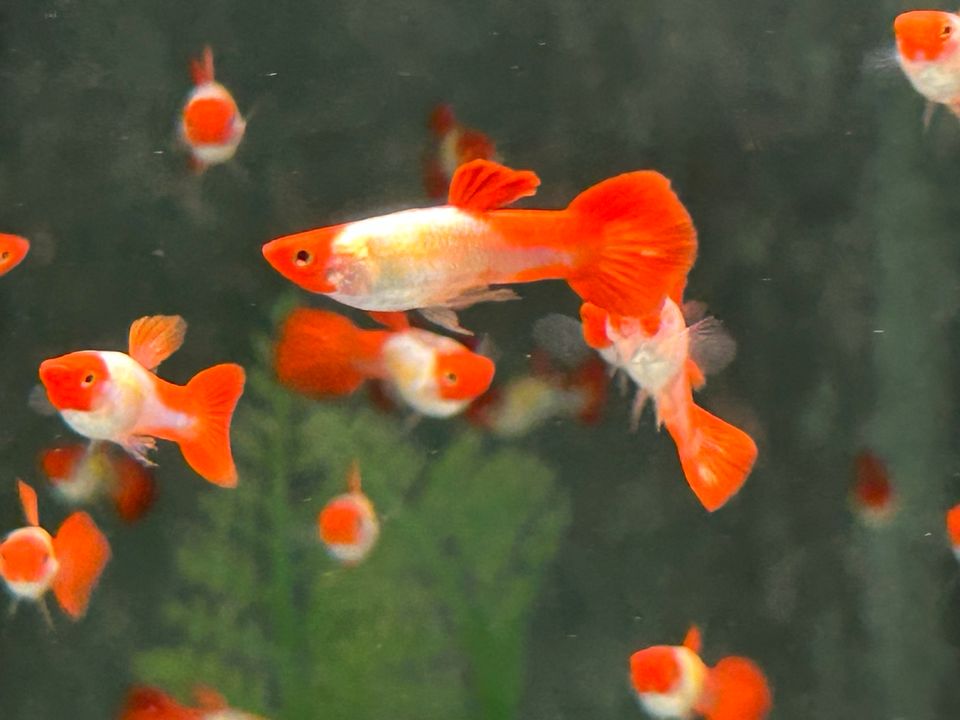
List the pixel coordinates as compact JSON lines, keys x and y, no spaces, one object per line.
{"x":463,"y":375}
{"x":953,"y":525}
{"x":924,"y":35}
{"x":340,"y":521}
{"x":26,"y":556}
{"x":13,"y":249}
{"x":75,"y":381}
{"x":209,"y":120}
{"x":655,"y":669}
{"x":304,"y":258}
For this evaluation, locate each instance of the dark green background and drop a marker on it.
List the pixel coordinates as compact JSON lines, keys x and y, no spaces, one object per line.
{"x":827,"y":222}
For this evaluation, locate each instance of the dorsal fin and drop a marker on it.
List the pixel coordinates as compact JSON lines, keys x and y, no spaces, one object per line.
{"x":693,"y":641}
{"x":154,"y":338}
{"x":28,"y":499}
{"x":353,"y":477}
{"x":393,"y":320}
{"x":209,"y":699}
{"x":484,"y":185}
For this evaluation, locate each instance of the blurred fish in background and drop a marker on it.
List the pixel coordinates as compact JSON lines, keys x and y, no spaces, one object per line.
{"x":348,"y":524}
{"x":85,"y":473}
{"x":453,"y":144}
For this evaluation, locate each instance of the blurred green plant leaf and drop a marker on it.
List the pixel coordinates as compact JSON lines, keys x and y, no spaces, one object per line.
{"x":432,"y":625}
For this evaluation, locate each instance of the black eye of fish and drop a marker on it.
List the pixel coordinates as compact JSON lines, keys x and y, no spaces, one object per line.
{"x":450,"y":377}
{"x":4,"y":255}
{"x":946,"y":32}
{"x":303,"y":257}
{"x":88,"y":380}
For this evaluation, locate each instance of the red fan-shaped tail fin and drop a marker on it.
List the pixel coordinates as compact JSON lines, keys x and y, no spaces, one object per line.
{"x":83,"y":552}
{"x":642,"y":243}
{"x":323,"y":354}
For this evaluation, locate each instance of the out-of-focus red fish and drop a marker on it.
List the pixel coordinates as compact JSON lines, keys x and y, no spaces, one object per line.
{"x":323,"y":354}
{"x":623,"y":244}
{"x":149,"y":703}
{"x":13,"y":249}
{"x":667,"y":363}
{"x":872,"y":495}
{"x":527,"y":402}
{"x":348,"y":524}
{"x":32,"y":562}
{"x":927,"y":49}
{"x":455,"y":145}
{"x":82,"y":473}
{"x":211,"y":125}
{"x":672,"y":681}
{"x":953,"y":529}
{"x":114,"y":396}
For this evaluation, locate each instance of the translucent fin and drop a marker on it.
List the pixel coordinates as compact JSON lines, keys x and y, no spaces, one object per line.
{"x":28,"y":501}
{"x":481,"y":185}
{"x":561,"y":336}
{"x":155,"y":338}
{"x":711,"y":346}
{"x":445,"y":318}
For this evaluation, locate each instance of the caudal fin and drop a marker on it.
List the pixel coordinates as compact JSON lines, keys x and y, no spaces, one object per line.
{"x":211,"y":397}
{"x":83,"y":552}
{"x":736,"y":690}
{"x":201,"y":69}
{"x":323,"y":354}
{"x":642,"y":243}
{"x":716,"y":456}
{"x":148,"y":703}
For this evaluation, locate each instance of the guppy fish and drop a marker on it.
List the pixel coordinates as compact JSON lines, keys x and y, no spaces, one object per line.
{"x":13,"y":249}
{"x":928,"y":50}
{"x":668,"y":359}
{"x":70,"y":563}
{"x":149,"y":703}
{"x":323,"y":354}
{"x":348,"y":524}
{"x":456,"y":144}
{"x":105,"y":395}
{"x":953,"y":529}
{"x":672,"y":681}
{"x":622,"y":244}
{"x":211,"y":125}
{"x":872,"y":495}
{"x":82,"y":473}
{"x":548,"y":392}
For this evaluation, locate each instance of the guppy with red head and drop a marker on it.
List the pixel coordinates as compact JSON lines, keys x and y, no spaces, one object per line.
{"x":323,"y":354}
{"x":70,"y":563}
{"x":211,"y":125}
{"x":115,"y":396}
{"x":13,"y":249}
{"x":928,"y":51}
{"x":668,"y":359}
{"x":348,"y":524}
{"x":622,"y":244}
{"x":673,"y":681}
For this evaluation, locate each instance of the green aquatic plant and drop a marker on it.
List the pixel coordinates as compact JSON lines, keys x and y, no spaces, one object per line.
{"x":432,"y":625}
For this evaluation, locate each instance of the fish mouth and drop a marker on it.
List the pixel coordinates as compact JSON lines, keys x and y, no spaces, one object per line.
{"x":51,"y":371}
